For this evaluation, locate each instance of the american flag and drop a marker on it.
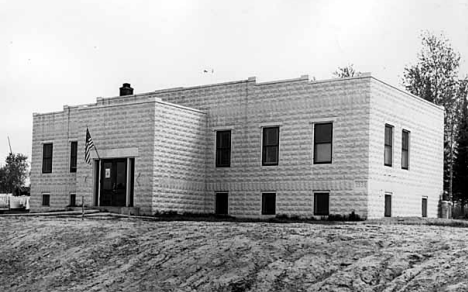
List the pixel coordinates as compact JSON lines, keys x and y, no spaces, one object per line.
{"x":88,"y":146}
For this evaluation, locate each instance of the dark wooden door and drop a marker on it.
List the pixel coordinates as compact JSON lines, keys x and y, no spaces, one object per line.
{"x":388,"y":205}
{"x":424,"y":207}
{"x":113,"y":182}
{"x":222,"y":206}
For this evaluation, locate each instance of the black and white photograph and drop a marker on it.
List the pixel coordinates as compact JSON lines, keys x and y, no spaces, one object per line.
{"x":207,"y":145}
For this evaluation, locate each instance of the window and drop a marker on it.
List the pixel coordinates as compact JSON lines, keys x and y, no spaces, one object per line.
{"x":323,"y":143}
{"x":424,"y":207}
{"x":45,"y":199}
{"x":73,"y":155}
{"x":321,"y":204}
{"x":223,"y":148}
{"x":47,"y":158}
{"x":388,"y":159}
{"x":270,"y":151}
{"x":72,"y":200}
{"x":268,"y":204}
{"x":405,"y":149}
{"x":388,"y":205}
{"x":221,"y":204}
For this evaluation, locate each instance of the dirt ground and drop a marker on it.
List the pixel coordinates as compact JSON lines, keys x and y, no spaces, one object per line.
{"x":51,"y":254}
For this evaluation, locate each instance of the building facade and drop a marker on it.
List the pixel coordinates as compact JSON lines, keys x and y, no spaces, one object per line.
{"x":295,"y":147}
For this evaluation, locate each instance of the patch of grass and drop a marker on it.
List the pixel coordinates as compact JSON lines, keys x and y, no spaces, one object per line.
{"x":279,"y":218}
{"x":451,"y":223}
{"x":190,"y":216}
{"x":285,"y":218}
{"x":211,"y":217}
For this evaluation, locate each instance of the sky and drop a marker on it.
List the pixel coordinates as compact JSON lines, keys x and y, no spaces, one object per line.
{"x":56,"y":52}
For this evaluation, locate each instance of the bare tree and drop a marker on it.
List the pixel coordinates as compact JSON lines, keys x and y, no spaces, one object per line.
{"x":345,"y":72}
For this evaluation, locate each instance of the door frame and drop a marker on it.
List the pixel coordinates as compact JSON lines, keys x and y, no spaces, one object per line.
{"x":114,"y":193}
{"x":130,"y":178}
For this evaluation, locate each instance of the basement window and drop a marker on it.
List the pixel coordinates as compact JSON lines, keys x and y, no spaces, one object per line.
{"x":45,"y":199}
{"x":424,"y":207}
{"x":322,"y":204}
{"x":72,"y":200}
{"x":222,"y":204}
{"x":268,"y":204}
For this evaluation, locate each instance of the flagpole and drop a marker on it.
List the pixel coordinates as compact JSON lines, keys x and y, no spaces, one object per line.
{"x":95,"y":148}
{"x":94,"y":145}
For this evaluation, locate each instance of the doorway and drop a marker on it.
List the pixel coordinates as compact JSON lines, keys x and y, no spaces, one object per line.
{"x":388,"y":205}
{"x":113,"y":182}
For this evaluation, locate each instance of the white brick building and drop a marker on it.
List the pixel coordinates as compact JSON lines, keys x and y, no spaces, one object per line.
{"x":296,"y":147}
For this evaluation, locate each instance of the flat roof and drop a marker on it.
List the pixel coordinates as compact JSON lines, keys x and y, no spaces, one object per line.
{"x":152,"y":95}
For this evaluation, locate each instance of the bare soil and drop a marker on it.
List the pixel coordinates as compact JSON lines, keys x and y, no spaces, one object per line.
{"x":67,"y":254}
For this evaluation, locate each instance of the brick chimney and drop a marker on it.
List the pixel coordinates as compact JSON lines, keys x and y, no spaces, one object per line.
{"x":126,"y":89}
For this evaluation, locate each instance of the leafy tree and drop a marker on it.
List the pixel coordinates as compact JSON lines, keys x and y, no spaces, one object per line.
{"x":460,"y":167}
{"x":435,"y":78}
{"x":345,"y":72}
{"x":14,"y":173}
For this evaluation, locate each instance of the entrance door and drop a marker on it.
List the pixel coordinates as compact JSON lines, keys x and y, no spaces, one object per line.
{"x":221,"y":204}
{"x":388,"y":205}
{"x":113,"y":182}
{"x":424,"y":207}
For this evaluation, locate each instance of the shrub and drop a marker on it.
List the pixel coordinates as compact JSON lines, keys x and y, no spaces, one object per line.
{"x":282,"y":216}
{"x":338,"y":217}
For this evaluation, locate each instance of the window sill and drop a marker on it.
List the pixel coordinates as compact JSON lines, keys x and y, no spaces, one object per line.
{"x":276,"y":164}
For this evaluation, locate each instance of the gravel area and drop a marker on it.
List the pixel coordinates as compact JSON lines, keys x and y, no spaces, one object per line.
{"x":119,"y":254}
